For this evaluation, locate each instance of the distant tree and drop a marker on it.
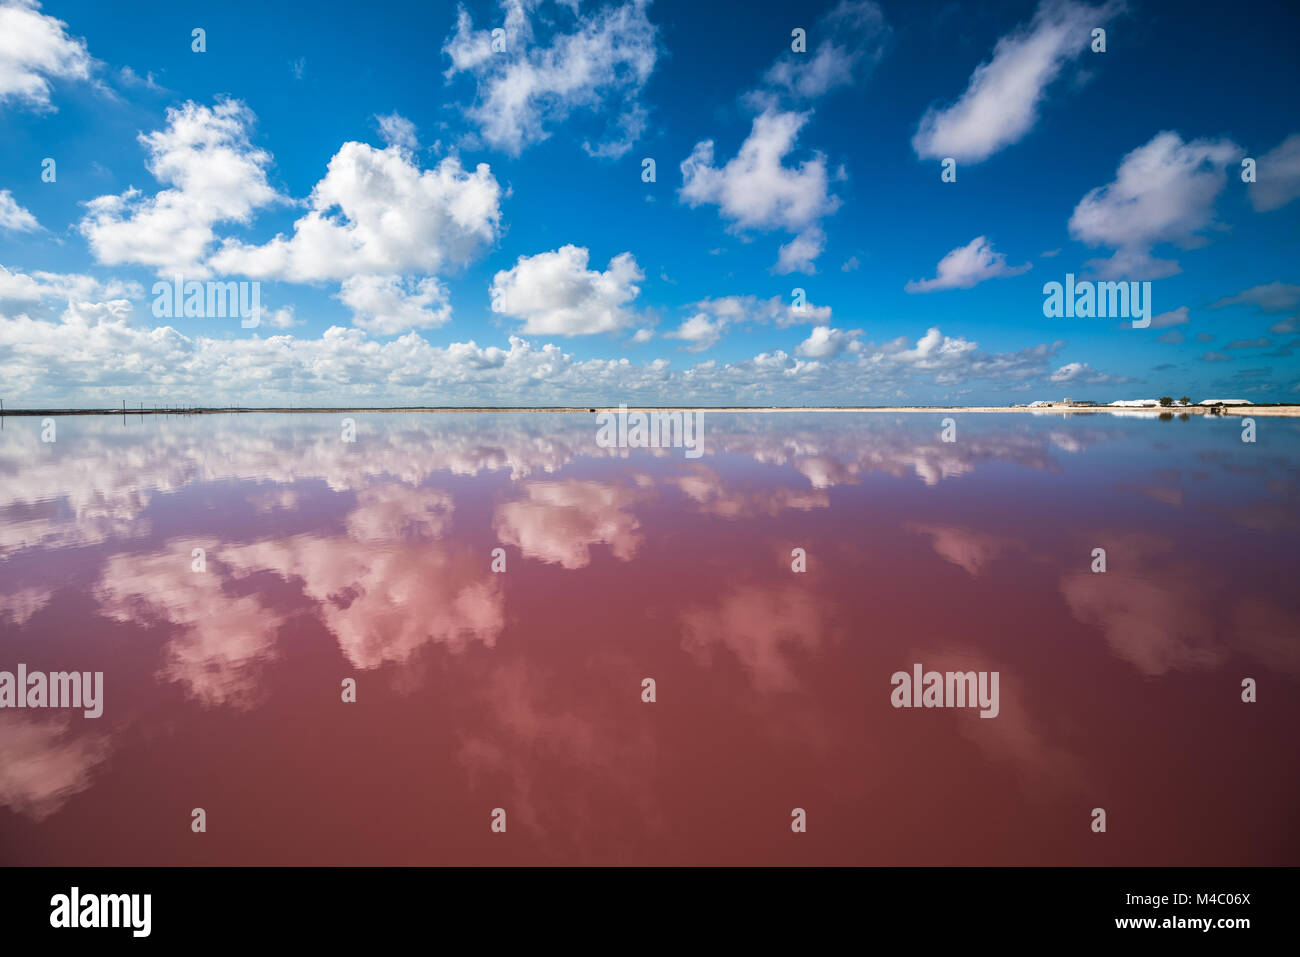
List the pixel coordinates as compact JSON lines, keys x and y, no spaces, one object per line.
{"x":1185,"y":401}
{"x":1166,"y":400}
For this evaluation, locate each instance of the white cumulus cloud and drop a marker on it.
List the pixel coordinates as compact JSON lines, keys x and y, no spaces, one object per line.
{"x":377,"y":212}
{"x":398,"y":131}
{"x":827,"y":343}
{"x":966,"y":266}
{"x":1001,"y":102}
{"x":846,"y":41}
{"x":1277,"y":176}
{"x":699,"y":331}
{"x":750,"y":309}
{"x":34,"y":48}
{"x":800,"y":253}
{"x":14,"y":218}
{"x":527,"y":88}
{"x":556,"y":294}
{"x":1174,"y":317}
{"x":756,"y":190}
{"x":95,"y":353}
{"x":388,"y":305}
{"x":38,"y":286}
{"x":1269,"y":297}
{"x":1081,"y":373}
{"x":214,"y":175}
{"x":1163,"y":192}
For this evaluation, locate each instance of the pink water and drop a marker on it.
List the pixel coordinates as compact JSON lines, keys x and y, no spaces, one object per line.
{"x":522,"y":690}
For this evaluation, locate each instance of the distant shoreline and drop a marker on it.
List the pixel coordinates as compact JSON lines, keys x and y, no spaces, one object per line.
{"x":1265,"y":410}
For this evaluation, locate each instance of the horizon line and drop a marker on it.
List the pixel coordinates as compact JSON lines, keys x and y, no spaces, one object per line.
{"x":208,"y":410}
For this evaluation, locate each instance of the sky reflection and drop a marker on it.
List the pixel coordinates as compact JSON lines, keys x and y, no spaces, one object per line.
{"x":477,"y":689}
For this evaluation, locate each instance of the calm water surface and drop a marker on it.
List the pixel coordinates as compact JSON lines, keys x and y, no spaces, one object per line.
{"x":521,"y":690}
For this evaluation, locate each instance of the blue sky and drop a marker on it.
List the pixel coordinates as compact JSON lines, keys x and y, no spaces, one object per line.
{"x":434,"y":222}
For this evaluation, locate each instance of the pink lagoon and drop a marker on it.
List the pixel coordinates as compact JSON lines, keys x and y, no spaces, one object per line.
{"x":364,"y":652}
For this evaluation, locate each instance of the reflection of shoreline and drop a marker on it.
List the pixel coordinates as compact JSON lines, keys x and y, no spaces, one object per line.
{"x":1281,"y":410}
